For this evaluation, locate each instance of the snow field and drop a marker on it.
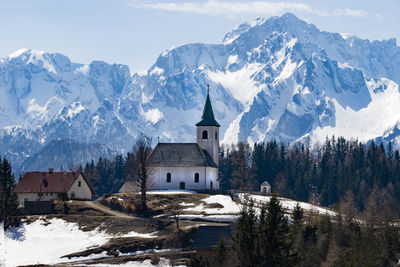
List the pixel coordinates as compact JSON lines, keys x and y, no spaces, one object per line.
{"x":289,"y":204}
{"x":45,"y":242}
{"x":230,"y":207}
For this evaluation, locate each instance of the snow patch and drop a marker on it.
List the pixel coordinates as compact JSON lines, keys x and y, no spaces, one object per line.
{"x":170,"y":191}
{"x":239,"y":83}
{"x":136,"y":234}
{"x":229,"y":205}
{"x":157,"y":71}
{"x":84,"y":69}
{"x":369,"y":122}
{"x":153,"y":115}
{"x":44,"y":242}
{"x":75,"y":109}
{"x":232,"y":59}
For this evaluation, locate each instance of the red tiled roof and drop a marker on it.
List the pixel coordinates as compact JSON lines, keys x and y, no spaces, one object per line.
{"x":57,"y":182}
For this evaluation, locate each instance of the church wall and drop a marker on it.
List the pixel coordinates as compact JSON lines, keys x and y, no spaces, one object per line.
{"x":184,"y":174}
{"x":211,"y":144}
{"x":212,"y":176}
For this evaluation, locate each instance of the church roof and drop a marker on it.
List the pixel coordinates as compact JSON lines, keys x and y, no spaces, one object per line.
{"x":207,"y":119}
{"x":180,"y":155}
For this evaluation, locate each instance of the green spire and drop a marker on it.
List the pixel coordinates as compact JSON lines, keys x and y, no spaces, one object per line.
{"x":207,"y":119}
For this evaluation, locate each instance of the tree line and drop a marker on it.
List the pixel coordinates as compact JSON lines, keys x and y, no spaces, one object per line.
{"x":321,"y":174}
{"x":266,"y":236}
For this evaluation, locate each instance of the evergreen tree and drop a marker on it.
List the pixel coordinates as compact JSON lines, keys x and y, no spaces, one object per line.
{"x":276,"y":250}
{"x":245,"y":236}
{"x":221,"y":251}
{"x":297,"y":215}
{"x":8,"y":198}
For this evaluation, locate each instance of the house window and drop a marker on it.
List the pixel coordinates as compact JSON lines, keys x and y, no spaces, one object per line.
{"x":72,"y":195}
{"x":196,"y":177}
{"x":79,"y":183}
{"x":205,"y":134}
{"x":168,"y":177}
{"x":216,"y":135}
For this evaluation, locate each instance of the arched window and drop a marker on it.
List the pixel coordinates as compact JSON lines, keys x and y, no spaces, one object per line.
{"x":205,"y":134}
{"x":168,"y":177}
{"x":196,"y":177}
{"x":79,"y":183}
{"x":216,"y":135}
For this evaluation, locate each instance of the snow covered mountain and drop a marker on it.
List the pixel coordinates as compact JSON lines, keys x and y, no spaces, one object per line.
{"x":277,"y":78}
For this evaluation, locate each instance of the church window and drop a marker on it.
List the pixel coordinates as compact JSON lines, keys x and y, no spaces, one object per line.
{"x":168,"y":177}
{"x":216,"y":135}
{"x":79,"y":183}
{"x":205,"y":134}
{"x":196,"y":177}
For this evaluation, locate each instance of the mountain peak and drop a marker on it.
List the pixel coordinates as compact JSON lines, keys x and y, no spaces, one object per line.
{"x":287,"y":23}
{"x":25,"y":52}
{"x":236,"y":32}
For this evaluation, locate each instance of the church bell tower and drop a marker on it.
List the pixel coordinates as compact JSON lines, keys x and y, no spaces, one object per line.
{"x":208,"y":130}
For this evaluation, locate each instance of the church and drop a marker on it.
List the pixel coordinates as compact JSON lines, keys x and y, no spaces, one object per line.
{"x":192,"y":166}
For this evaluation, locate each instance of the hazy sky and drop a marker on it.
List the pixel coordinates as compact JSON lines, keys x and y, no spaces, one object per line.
{"x":135,"y":32}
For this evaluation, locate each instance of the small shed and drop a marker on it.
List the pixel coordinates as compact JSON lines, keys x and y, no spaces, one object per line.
{"x":129,"y":186}
{"x":265,"y":188}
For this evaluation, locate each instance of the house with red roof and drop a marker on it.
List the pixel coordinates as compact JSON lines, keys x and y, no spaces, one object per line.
{"x":51,"y":185}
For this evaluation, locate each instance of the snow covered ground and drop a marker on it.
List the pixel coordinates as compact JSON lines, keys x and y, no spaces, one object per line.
{"x":289,"y":204}
{"x":46,"y":241}
{"x":170,"y":192}
{"x":147,"y":263}
{"x":230,"y":207}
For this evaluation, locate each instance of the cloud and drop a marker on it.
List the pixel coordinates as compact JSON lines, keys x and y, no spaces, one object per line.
{"x":230,"y":9}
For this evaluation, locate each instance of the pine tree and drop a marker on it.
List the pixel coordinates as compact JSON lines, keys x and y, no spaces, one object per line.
{"x":221,"y":251}
{"x":297,"y":215}
{"x":276,"y":231}
{"x":8,"y":198}
{"x":245,"y":236}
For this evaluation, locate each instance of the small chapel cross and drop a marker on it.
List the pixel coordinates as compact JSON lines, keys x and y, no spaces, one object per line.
{"x":208,"y":88}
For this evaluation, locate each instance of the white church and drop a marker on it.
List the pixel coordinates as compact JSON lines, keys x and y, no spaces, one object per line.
{"x":192,"y":166}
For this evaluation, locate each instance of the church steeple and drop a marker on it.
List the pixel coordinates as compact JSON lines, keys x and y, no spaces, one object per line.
{"x":208,"y":131}
{"x":207,"y":119}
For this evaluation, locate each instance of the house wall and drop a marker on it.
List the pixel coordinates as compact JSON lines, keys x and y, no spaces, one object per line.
{"x":184,"y":174}
{"x":22,"y":197}
{"x":80,"y":192}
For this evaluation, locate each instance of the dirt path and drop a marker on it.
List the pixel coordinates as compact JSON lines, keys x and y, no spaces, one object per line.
{"x":97,"y":206}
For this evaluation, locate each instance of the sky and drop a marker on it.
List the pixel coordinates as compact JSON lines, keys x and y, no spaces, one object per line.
{"x":135,"y":32}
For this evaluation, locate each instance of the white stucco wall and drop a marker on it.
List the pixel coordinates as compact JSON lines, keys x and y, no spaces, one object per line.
{"x":80,"y":192}
{"x":35,"y":197}
{"x":211,"y":144}
{"x":185,"y":174}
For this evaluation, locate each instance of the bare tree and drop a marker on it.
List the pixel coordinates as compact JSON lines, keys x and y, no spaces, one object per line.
{"x":175,"y":210}
{"x":141,"y":170}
